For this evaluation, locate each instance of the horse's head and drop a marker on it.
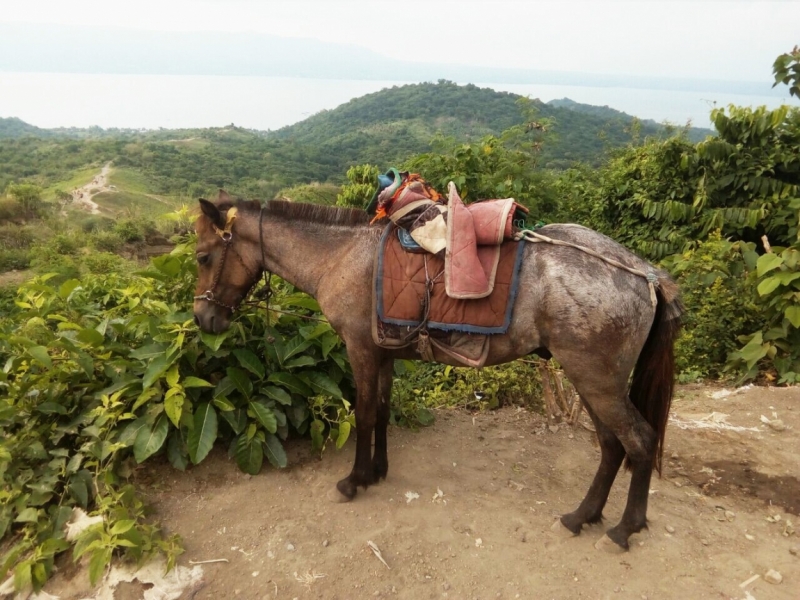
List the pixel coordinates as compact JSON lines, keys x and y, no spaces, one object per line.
{"x":228,"y":264}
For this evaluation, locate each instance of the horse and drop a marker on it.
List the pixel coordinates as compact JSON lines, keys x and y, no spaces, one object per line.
{"x":611,"y":331}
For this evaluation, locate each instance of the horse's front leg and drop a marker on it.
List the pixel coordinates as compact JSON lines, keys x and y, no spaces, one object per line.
{"x":366,"y":369}
{"x":380,"y":462}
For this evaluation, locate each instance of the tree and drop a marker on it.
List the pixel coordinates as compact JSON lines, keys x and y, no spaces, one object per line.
{"x":27,"y":195}
{"x":787,"y":70}
{"x":362,"y":181}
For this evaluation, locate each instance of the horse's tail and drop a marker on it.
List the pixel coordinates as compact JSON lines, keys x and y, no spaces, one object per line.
{"x":654,"y":375}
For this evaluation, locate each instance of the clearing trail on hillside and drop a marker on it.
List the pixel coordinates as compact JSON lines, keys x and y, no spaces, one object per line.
{"x":83,"y":195}
{"x":467,"y":508}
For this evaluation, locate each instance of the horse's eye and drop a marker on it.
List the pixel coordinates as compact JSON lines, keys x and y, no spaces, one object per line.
{"x":203,"y":259}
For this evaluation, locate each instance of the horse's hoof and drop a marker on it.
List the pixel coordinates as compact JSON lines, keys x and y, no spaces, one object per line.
{"x":337,"y":496}
{"x":562,"y":530}
{"x":606,"y":544}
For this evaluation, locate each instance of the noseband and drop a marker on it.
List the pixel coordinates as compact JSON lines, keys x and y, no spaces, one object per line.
{"x":226,"y":235}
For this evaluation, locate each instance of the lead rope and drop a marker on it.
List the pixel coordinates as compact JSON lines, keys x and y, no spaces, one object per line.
{"x":651,"y":277}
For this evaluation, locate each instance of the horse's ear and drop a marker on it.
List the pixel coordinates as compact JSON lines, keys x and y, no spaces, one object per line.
{"x":224,"y":197}
{"x":211,"y":211}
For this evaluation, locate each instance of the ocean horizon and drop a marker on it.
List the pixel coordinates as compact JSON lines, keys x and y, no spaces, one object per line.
{"x":52,"y":100}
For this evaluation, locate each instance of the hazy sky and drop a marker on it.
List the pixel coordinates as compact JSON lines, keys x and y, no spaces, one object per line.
{"x":717,"y":40}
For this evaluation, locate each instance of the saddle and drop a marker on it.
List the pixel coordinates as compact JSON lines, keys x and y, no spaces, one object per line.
{"x":469,"y":235}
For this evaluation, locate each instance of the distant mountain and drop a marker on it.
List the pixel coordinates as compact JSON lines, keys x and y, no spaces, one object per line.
{"x":13,"y":127}
{"x":385,"y":126}
{"x":53,"y":49}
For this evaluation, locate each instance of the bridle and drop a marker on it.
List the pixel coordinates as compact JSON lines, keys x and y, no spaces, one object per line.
{"x":226,"y":235}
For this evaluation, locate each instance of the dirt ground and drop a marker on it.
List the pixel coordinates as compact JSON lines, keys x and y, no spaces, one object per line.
{"x":490,"y":486}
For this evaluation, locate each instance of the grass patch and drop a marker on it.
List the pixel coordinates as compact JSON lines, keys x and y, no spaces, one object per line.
{"x":129,"y":180}
{"x":79,"y":178}
{"x":133,"y":204}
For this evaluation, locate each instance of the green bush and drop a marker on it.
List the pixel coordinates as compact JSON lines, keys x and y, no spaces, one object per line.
{"x":16,"y":237}
{"x":134,"y":230}
{"x":110,"y":369}
{"x":107,"y":241}
{"x":95,"y":223}
{"x":101,"y":263}
{"x":720,"y":304}
{"x":14,"y":260}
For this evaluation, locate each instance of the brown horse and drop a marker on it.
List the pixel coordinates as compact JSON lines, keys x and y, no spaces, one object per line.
{"x":597,"y":320}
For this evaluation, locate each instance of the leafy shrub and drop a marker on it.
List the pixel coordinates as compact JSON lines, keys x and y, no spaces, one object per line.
{"x":107,"y":241}
{"x":14,"y":260}
{"x":720,"y":304}
{"x":96,"y":223}
{"x":112,"y":367}
{"x":100,"y":263}
{"x":130,"y":230}
{"x":16,"y":237}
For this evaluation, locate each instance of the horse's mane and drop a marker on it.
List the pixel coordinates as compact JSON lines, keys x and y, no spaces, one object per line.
{"x":315,"y":213}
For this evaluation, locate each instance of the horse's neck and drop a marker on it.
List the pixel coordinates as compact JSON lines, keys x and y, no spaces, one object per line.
{"x":304,"y":253}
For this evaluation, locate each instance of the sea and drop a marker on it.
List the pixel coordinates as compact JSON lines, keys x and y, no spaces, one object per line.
{"x":268,"y":103}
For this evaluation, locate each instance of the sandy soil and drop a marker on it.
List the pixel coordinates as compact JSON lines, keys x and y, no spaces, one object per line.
{"x":490,"y":486}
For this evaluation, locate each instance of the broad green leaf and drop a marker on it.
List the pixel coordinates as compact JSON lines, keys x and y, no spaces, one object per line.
{"x":204,"y":432}
{"x":344,"y":433}
{"x":225,"y":387}
{"x":149,"y":351}
{"x":173,"y":406}
{"x":329,"y":343}
{"x":293,"y":347}
{"x":67,"y":287}
{"x":237,"y":419}
{"x":195,"y":382}
{"x":177,"y":453}
{"x":769,"y":285}
{"x":250,"y":362}
{"x":157,"y":367}
{"x":276,"y":455}
{"x":173,"y":376}
{"x":149,"y":440}
{"x":249,"y":455}
{"x":265,"y":416}
{"x":323,"y":384}
{"x":241,"y":381}
{"x":793,"y":314}
{"x":213,"y":341}
{"x":121,"y":527}
{"x":290,"y":382}
{"x":279,"y":395}
{"x":22,"y":575}
{"x":316,"y":429}
{"x":131,"y":431}
{"x":301,"y":361}
{"x":223,"y":404}
{"x":90,"y":336}
{"x":28,"y":515}
{"x":767,"y":262}
{"x":40,"y":354}
{"x":97,"y":563}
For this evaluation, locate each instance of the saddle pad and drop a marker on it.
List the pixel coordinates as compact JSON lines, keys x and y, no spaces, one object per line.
{"x":400,"y":290}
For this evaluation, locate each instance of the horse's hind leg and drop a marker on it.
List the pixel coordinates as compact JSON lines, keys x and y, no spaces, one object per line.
{"x":605,"y":394}
{"x":591,"y":508}
{"x":380,"y":461}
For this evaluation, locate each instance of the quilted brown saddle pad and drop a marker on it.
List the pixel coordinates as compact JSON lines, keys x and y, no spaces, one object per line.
{"x":400,"y":281}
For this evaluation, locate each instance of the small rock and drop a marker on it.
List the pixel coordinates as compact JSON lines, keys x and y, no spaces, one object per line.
{"x":255,"y":573}
{"x":704,"y":542}
{"x":777,"y":425}
{"x":237,"y":592}
{"x":773,"y":576}
{"x":325,"y":543}
{"x":670,"y":529}
{"x":730,"y":515}
{"x":290,"y":547}
{"x":553,"y":428}
{"x":749,"y":537}
{"x":795,"y":550}
{"x":674,"y":456}
{"x":445,"y":586}
{"x":478,"y":543}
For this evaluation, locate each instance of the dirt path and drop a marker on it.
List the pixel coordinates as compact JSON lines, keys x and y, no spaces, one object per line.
{"x":82,"y":196}
{"x":490,"y":486}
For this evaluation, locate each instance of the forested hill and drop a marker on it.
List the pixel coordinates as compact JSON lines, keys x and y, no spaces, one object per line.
{"x":402,"y":120}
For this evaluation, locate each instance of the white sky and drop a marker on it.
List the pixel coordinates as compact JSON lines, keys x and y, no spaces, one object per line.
{"x":715,"y":40}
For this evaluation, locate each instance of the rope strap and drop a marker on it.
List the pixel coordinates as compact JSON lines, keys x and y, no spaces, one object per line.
{"x":651,"y":278}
